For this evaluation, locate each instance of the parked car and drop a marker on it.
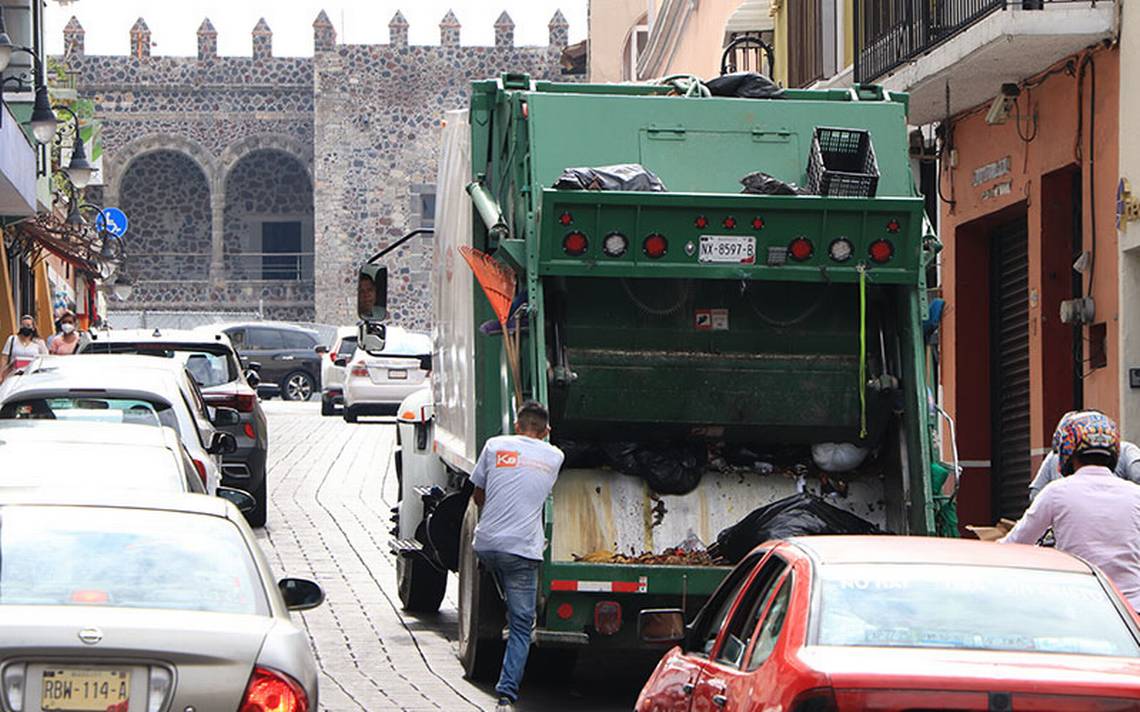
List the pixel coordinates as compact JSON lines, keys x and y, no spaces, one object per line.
{"x":831,"y":624}
{"x":123,"y":389}
{"x":289,"y":366}
{"x":211,"y":360}
{"x":334,"y":359}
{"x":376,"y":383}
{"x":159,"y":602}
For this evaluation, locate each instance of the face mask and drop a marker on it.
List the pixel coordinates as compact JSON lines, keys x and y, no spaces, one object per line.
{"x":67,"y":328}
{"x":26,"y":331}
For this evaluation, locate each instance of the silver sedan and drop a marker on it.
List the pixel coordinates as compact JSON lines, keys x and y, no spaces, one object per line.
{"x":145,"y":603}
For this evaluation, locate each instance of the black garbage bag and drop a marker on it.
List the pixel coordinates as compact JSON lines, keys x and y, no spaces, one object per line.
{"x":745,"y":85}
{"x":621,"y":456}
{"x":672,"y":470}
{"x":624,"y":176}
{"x":798,"y":515}
{"x":760,"y":183}
{"x":581,"y":453}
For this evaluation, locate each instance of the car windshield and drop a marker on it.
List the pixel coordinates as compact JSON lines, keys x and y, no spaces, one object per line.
{"x":98,"y":465}
{"x":972,"y":607}
{"x":125,"y":558}
{"x":92,"y":408}
{"x":209,"y":367}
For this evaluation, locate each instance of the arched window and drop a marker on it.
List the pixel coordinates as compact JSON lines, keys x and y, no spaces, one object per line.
{"x":635,"y":43}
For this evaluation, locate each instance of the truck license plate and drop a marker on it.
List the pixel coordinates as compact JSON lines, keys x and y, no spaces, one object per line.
{"x":735,"y":249}
{"x":95,"y":690}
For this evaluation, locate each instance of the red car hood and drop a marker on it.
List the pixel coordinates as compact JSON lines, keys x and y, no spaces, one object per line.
{"x":930,"y":669}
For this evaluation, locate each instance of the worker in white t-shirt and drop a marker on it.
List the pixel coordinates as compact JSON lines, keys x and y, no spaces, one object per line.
{"x":512,"y":478}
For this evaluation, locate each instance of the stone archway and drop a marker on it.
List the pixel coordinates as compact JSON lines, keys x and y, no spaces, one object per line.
{"x":267,"y":219}
{"x":117,"y":164}
{"x":166,"y":194}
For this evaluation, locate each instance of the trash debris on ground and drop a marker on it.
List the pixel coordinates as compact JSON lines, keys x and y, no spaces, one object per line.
{"x":760,"y":183}
{"x":798,"y":515}
{"x":670,"y":557}
{"x":623,"y":176}
{"x":745,"y":85}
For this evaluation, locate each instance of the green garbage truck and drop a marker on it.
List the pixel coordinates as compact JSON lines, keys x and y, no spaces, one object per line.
{"x":695,"y":331}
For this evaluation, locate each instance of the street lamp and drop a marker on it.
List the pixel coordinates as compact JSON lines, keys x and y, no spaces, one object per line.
{"x":123,"y":288}
{"x":79,"y":169}
{"x":43,"y":121}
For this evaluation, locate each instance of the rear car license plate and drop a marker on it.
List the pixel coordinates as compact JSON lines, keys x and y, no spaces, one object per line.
{"x":734,"y":249}
{"x":82,"y":690}
{"x":398,"y":375}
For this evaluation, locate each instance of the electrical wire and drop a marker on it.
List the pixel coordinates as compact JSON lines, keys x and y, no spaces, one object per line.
{"x":683,"y":295}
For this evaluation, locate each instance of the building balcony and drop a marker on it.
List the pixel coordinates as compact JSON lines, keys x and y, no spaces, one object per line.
{"x":972,"y":46}
{"x":17,"y":168}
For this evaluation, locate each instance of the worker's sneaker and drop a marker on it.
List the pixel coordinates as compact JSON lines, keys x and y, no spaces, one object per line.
{"x":505,"y":705}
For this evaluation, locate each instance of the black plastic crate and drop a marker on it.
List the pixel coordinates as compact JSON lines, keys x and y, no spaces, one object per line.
{"x":842,"y":163}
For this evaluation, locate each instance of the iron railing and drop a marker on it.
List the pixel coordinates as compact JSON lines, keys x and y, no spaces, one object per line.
{"x":889,"y":33}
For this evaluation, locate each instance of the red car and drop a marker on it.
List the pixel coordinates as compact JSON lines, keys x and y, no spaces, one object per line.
{"x":823,"y":624}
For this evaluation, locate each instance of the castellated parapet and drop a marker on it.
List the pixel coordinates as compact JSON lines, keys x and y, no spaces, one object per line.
{"x":221,"y":160}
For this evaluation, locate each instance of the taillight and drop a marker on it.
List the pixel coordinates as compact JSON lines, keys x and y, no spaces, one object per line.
{"x":701,"y":222}
{"x":881,"y":251}
{"x":655,"y":246}
{"x":729,"y":223}
{"x":201,"y":468}
{"x":800,"y":249}
{"x":893,"y":226}
{"x":575,"y":243}
{"x":332,"y":356}
{"x":840,"y":249}
{"x":757,"y":223}
{"x":271,"y":691}
{"x":241,"y":402}
{"x":565,"y":219}
{"x":607,"y":617}
{"x":359,"y":369}
{"x":820,"y":699}
{"x":249,"y":432}
{"x":615,"y":244}
{"x":565,"y":611}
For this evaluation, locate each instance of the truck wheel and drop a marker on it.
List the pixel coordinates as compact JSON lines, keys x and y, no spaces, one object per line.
{"x":480,"y":610}
{"x":421,"y":585}
{"x":349,"y":415}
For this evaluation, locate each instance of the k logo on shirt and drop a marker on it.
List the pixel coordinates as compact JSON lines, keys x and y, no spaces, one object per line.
{"x":506,"y":458}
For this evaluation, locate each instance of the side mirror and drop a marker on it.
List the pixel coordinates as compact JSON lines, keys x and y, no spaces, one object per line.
{"x":661,"y":625}
{"x":371,"y":336}
{"x":222,"y":444}
{"x":254,"y":366}
{"x":341,"y":362}
{"x":301,"y":594}
{"x":241,"y":499}
{"x":321,"y":349}
{"x":425,"y":362}
{"x":252,"y":378}
{"x":372,"y":293}
{"x":226,"y":417}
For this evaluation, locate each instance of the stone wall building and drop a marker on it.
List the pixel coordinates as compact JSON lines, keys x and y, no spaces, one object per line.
{"x":261,"y":182}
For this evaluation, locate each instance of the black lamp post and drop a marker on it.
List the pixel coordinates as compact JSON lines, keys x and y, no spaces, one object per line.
{"x":79,"y":169}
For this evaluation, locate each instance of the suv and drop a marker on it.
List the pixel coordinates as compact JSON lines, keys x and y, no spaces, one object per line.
{"x":333,"y":361}
{"x":211,"y":361}
{"x":284,"y":354}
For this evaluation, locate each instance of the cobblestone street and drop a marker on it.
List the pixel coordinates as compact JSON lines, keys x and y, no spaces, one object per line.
{"x":331,"y":487}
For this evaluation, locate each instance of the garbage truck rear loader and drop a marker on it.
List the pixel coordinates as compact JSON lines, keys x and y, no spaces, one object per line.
{"x":706,"y":338}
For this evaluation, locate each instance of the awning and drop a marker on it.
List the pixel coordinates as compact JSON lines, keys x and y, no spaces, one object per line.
{"x":751,"y":16}
{"x":49,"y":233}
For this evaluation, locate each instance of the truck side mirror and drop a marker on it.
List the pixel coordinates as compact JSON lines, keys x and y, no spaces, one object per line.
{"x":372,"y":293}
{"x":371,"y":336}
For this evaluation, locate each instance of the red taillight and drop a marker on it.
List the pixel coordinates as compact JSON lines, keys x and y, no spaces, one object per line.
{"x":757,"y":223}
{"x":565,"y":611}
{"x":271,"y":691}
{"x":241,"y":402}
{"x":607,"y":617}
{"x":881,"y":251}
{"x":821,"y":699}
{"x":89,"y":596}
{"x":565,"y":219}
{"x":201,"y":468}
{"x":655,"y":246}
{"x":893,"y":226}
{"x":332,"y":356}
{"x":575,"y":243}
{"x":249,"y":432}
{"x":800,"y":249}
{"x":701,"y":222}
{"x":359,"y":369}
{"x":729,"y":223}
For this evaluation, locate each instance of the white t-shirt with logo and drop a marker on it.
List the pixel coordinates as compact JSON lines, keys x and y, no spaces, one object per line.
{"x":517,"y":473}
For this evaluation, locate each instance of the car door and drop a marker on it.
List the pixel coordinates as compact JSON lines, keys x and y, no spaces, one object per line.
{"x":299,"y":345}
{"x":265,"y":346}
{"x":723,"y":683}
{"x":673,"y":683}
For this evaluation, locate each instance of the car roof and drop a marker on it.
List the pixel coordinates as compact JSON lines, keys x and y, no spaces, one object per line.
{"x":94,"y":432}
{"x":934,"y":550}
{"x":268,"y":324}
{"x":191,"y":503}
{"x":112,"y":372}
{"x":201,"y":335}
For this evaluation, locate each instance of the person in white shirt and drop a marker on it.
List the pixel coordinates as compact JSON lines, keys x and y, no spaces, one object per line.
{"x":1093,"y":513}
{"x":513,"y":477}
{"x":1127,"y":468}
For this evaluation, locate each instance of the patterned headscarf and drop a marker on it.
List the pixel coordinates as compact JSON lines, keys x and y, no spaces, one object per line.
{"x":1085,"y":432}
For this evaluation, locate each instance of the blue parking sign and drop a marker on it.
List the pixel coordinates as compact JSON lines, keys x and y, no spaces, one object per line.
{"x":113,"y":221}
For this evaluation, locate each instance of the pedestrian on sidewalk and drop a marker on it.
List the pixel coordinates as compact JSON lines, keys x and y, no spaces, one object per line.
{"x":66,"y":342}
{"x":21,"y":348}
{"x":512,"y":478}
{"x":1094,"y":513}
